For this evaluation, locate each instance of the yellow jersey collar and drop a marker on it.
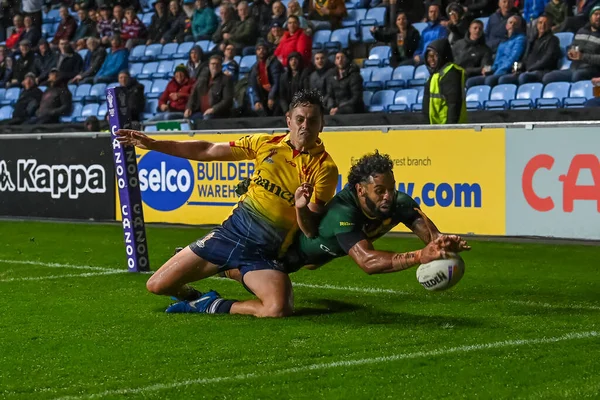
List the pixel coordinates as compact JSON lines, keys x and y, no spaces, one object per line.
{"x":318,"y":149}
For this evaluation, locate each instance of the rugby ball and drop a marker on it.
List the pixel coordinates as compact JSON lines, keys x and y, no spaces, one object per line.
{"x":440,"y":275}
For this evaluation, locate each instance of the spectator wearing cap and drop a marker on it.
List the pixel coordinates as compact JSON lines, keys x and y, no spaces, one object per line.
{"x":104,"y":25}
{"x":495,"y":31}
{"x":25,"y":64}
{"x":159,"y":24}
{"x":93,"y":60}
{"x":294,"y":79}
{"x":195,"y":65}
{"x":294,"y":40}
{"x":227,"y":26}
{"x":275,"y":34}
{"x":66,"y":28}
{"x":31,"y":32}
{"x":28,"y":102}
{"x":457,"y":24}
{"x":56,"y":101}
{"x":181,"y":26}
{"x":261,"y":12}
{"x":322,"y":71}
{"x":345,"y":87}
{"x":403,"y":39}
{"x":86,"y":29}
{"x":264,"y":80}
{"x":329,"y":10}
{"x":69,"y":62}
{"x":45,"y":60}
{"x":204,"y":21}
{"x":212,"y":96}
{"x":15,"y":37}
{"x":434,"y":31}
{"x":245,"y":32}
{"x":133,"y":30}
{"x":114,"y":62}
{"x":173,"y":102}
{"x":136,"y":102}
{"x":230,"y":67}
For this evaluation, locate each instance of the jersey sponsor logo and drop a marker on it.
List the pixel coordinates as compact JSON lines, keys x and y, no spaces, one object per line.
{"x":166,"y":182}
{"x":269,"y":158}
{"x":274,"y":188}
{"x":463,"y":195}
{"x":293,"y":164}
{"x":202,"y":242}
{"x":327,"y":250}
{"x":342,"y":223}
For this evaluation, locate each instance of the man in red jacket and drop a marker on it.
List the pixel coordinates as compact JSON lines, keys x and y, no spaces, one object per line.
{"x":294,"y":40}
{"x":66,"y":28}
{"x":174,"y":99}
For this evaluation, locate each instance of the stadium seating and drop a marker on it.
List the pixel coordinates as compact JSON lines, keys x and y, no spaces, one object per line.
{"x":400,"y":77}
{"x":183,"y":51}
{"x":381,"y":100}
{"x":526,"y":96}
{"x":147,"y":19}
{"x":151,"y":53}
{"x":377,"y":14}
{"x":135,"y":69}
{"x":97,"y":93}
{"x":148,"y":69}
{"x":367,"y":96}
{"x":477,"y":96}
{"x":75,"y":113}
{"x":378,"y":78}
{"x":158,"y":87}
{"x":354,"y":17}
{"x":88,"y":111}
{"x":340,"y":39}
{"x":366,"y":75}
{"x":168,"y":51}
{"x":554,"y":94}
{"x":320,"y":38}
{"x":151,"y":108}
{"x":366,"y":35}
{"x":580,"y":92}
{"x":11,"y":96}
{"x":147,"y":86}
{"x":404,"y":100}
{"x":500,"y":96}
{"x":378,"y":56}
{"x":420,"y":77}
{"x":102,"y":110}
{"x":485,"y":21}
{"x":164,"y":70}
{"x":247,"y":64}
{"x":137,"y":53}
{"x":420,"y":26}
{"x":6,"y":112}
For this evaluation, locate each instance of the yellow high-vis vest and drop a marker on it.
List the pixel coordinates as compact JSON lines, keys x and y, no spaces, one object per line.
{"x":438,"y":108}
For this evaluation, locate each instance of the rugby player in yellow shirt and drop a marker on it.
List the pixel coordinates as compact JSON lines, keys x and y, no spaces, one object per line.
{"x":293,"y":180}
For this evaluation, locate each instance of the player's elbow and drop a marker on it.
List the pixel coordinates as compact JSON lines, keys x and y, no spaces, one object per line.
{"x":368,"y":267}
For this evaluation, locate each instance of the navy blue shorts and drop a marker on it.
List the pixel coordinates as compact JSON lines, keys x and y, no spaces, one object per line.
{"x":244,"y":242}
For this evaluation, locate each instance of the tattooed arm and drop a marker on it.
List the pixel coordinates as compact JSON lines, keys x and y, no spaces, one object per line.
{"x":424,"y":228}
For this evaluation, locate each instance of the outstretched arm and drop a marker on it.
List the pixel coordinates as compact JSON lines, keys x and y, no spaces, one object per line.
{"x":424,"y":228}
{"x":308,"y":214}
{"x":199,"y":150}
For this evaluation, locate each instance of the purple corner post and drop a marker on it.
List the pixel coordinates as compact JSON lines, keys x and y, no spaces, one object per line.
{"x":134,"y":228}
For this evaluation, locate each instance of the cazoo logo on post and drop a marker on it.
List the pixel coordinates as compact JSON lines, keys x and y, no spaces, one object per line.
{"x":58,"y":180}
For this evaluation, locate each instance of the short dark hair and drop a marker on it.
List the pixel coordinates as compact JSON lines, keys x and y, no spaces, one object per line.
{"x":294,"y":17}
{"x":307,"y":97}
{"x":368,"y":166}
{"x":477,"y":21}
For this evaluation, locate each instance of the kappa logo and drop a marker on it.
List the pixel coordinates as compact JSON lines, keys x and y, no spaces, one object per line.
{"x":202,"y":242}
{"x":327,"y":250}
{"x":6,"y":183}
{"x":269,"y":158}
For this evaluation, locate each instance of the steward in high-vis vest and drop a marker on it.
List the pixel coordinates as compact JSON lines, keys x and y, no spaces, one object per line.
{"x":444,"y":95}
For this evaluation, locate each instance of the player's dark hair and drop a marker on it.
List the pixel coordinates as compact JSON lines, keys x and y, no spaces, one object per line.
{"x":368,"y":166}
{"x":306,"y":97}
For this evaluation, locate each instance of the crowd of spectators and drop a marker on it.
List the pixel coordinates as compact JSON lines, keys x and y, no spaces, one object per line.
{"x":518,"y":46}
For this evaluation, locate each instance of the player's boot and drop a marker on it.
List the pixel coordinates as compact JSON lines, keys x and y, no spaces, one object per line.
{"x":177,"y":250}
{"x":193,"y":295}
{"x":205,"y":304}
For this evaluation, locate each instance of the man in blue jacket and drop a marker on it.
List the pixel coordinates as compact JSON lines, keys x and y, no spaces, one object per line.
{"x":434,"y":31}
{"x":495,"y":31}
{"x":510,"y":51}
{"x":115,"y":62}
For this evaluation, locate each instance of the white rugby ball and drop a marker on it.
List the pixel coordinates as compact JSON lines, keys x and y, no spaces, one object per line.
{"x":440,"y":275}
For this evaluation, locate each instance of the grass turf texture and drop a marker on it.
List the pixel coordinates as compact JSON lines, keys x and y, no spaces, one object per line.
{"x":105,"y":335}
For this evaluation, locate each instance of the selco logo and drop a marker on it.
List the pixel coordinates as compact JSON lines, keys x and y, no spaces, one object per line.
{"x":166,"y":182}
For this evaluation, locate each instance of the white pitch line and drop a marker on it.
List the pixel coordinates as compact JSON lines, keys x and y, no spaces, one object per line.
{"x":548,"y":305}
{"x":350,"y":288}
{"x":43,"y":278}
{"x":55,"y":265}
{"x":341,"y":363}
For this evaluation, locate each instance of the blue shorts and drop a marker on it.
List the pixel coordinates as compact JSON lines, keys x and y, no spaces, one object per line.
{"x":243,"y":241}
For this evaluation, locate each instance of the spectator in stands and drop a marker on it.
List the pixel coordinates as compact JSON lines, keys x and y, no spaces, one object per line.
{"x":403,"y":39}
{"x":15,"y":37}
{"x":136,"y":102}
{"x":133,"y":30}
{"x":116,"y":24}
{"x":44,"y":61}
{"x":279,"y":13}
{"x":433,"y":31}
{"x":181,"y":26}
{"x":457,"y":24}
{"x":204,"y":22}
{"x":6,"y":71}
{"x":584,"y":53}
{"x":69,"y":62}
{"x":478,"y":8}
{"x":24,"y":64}
{"x":115,"y":61}
{"x":173,"y":102}
{"x":212,"y":96}
{"x":542,"y":55}
{"x":85,"y":4}
{"x":188,"y":8}
{"x":227,"y":26}
{"x":33,"y":9}
{"x":322,"y":71}
{"x":471,"y":53}
{"x":28,"y":102}
{"x":86,"y":29}
{"x":275,"y":35}
{"x":31,"y":31}
{"x":495,"y":31}
{"x":333,"y":11}
{"x":261,"y":13}
{"x":294,"y":40}
{"x":195,"y":65}
{"x":558,"y":11}
{"x":104,"y":25}
{"x":56,"y":101}
{"x":264,"y":80}
{"x":245,"y":32}
{"x":532,"y":9}
{"x":595,"y":102}
{"x":92,"y":124}
{"x":582,"y":11}
{"x":294,"y":79}
{"x":160,"y":23}
{"x":509,"y":52}
{"x":345,"y":87}
{"x":66,"y":28}
{"x":230,"y":67}
{"x":293,"y":8}
{"x":93,"y":60}
{"x":444,"y":99}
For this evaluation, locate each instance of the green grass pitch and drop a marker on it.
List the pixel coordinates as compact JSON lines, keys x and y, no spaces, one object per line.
{"x":523,"y":323}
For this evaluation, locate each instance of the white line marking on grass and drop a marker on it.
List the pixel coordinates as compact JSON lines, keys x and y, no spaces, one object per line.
{"x":55,"y":265}
{"x":43,"y":278}
{"x":350,"y":288}
{"x":548,"y":305}
{"x":341,"y":363}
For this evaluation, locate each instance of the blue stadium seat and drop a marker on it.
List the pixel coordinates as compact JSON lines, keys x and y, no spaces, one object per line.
{"x":580,"y":92}
{"x":97,"y":93}
{"x":500,"y":96}
{"x":320,"y":25}
{"x":3,"y":91}
{"x":366,"y":75}
{"x":6,"y":112}
{"x":527,"y":95}
{"x":102,"y":110}
{"x":147,"y":86}
{"x":82,"y":91}
{"x":168,"y":51}
{"x":112,"y":85}
{"x":211,"y":46}
{"x":421,"y":93}
{"x":379,"y":77}
{"x":366,"y":35}
{"x":135,"y":69}
{"x":420,"y":26}
{"x":340,"y":39}
{"x":147,"y":18}
{"x":554,"y":94}
{"x":404,"y":100}
{"x":477,"y":96}
{"x":72,"y":89}
{"x":381,"y":100}
{"x":485,"y":21}
{"x":247,"y":63}
{"x":11,"y":96}
{"x":565,"y":39}
{"x":75,"y":113}
{"x":378,"y":14}
{"x":400,"y":77}
{"x":367,"y":96}
{"x":88,"y":111}
{"x":378,"y":56}
{"x":420,"y":77}
{"x":183,"y":51}
{"x":238,"y":59}
{"x":248,"y":50}
{"x":150,"y":128}
{"x":148,"y":69}
{"x":47,"y":30}
{"x":158,"y":87}
{"x":137,"y":53}
{"x":52,"y":17}
{"x":354,"y":17}
{"x":320,"y":38}
{"x":564,"y":63}
{"x":152,"y":52}
{"x":164,"y":70}
{"x":350,"y":4}
{"x":204,"y":44}
{"x":151,"y":108}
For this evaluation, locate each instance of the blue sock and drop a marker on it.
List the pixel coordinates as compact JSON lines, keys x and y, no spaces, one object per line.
{"x":220,"y":306}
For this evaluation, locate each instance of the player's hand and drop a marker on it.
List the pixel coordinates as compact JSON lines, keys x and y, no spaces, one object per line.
{"x":129,"y":137}
{"x":303,"y":195}
{"x":434,"y":251}
{"x":454,"y":243}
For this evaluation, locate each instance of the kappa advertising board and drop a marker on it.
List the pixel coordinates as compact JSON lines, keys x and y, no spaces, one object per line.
{"x":57,"y":178}
{"x":457,"y":177}
{"x":553,"y":182}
